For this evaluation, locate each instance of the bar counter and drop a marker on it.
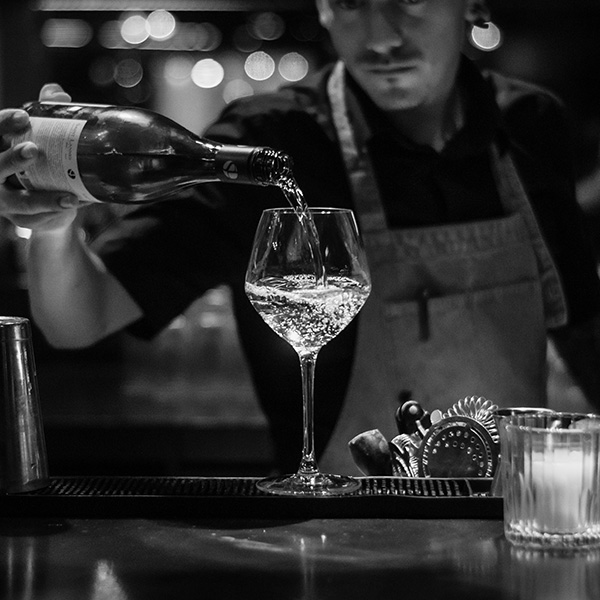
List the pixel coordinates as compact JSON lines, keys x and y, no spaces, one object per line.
{"x":199,"y":553}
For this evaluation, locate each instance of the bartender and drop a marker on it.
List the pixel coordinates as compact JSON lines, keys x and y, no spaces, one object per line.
{"x":461,"y":182}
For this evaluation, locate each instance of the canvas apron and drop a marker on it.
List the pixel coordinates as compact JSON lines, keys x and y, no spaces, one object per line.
{"x":455,"y":310}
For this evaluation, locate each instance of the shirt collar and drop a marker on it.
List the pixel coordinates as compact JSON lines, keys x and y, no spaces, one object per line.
{"x":482,"y":116}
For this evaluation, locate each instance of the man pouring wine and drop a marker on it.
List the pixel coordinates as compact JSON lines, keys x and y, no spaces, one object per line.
{"x":461,"y":184}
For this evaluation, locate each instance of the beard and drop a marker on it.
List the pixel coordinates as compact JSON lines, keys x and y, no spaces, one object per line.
{"x":398,"y":90}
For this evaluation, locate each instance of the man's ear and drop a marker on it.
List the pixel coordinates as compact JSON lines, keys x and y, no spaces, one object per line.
{"x":477,"y":12}
{"x":325,"y":13}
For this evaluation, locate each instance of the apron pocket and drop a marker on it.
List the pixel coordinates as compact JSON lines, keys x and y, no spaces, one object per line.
{"x":490,"y":341}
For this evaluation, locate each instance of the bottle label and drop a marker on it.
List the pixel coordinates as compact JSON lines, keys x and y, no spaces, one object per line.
{"x":56,"y":166}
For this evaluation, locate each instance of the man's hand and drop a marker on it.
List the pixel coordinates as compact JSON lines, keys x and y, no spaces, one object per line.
{"x":36,"y":210}
{"x":73,"y":298}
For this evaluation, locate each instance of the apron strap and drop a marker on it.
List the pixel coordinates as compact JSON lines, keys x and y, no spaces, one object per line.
{"x":358,"y":166}
{"x":514,"y":198}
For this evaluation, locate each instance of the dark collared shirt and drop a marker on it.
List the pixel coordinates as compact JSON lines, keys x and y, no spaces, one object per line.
{"x":429,"y":187}
{"x":168,"y":254}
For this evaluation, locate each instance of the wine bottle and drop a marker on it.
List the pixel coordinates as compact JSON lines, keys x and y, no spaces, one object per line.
{"x":129,"y":155}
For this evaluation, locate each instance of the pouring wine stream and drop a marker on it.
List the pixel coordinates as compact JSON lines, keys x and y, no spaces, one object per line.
{"x":295,"y":198}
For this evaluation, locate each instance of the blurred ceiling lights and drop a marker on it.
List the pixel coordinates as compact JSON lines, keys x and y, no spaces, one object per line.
{"x":161,"y":30}
{"x":172,"y":5}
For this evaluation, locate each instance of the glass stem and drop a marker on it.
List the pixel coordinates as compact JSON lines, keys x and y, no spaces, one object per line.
{"x":308,"y":464}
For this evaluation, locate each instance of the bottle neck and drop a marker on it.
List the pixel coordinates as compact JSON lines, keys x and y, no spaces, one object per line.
{"x":252,"y":164}
{"x":271,"y":167}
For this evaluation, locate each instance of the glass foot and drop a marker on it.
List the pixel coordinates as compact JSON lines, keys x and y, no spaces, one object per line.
{"x":319,"y":484}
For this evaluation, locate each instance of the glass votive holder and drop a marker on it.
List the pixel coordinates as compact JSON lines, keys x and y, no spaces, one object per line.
{"x":550,"y":469}
{"x":515,"y":415}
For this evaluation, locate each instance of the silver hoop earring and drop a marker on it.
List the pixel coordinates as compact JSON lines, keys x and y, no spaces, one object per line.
{"x":485,"y":36}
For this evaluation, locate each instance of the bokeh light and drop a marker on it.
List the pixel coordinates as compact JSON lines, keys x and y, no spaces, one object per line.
{"x":267,"y":26}
{"x":293,"y":66}
{"x":161,"y":25}
{"x":259,"y":66}
{"x":207,"y":73}
{"x":128,"y":73}
{"x":134,"y":30}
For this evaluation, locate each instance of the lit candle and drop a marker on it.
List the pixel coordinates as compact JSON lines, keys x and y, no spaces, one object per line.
{"x":561,"y":482}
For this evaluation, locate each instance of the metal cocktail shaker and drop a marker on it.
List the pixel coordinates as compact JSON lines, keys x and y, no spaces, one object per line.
{"x":23,"y":462}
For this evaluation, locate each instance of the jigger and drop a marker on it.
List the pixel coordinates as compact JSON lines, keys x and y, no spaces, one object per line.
{"x":23,"y":461}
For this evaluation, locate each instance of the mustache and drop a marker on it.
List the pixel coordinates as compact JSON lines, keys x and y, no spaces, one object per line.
{"x":372,"y":58}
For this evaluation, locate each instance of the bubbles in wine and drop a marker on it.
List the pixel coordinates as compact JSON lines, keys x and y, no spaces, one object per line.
{"x":307,"y":315}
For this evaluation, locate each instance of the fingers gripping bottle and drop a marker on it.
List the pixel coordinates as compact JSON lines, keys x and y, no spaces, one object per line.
{"x":130,"y":155}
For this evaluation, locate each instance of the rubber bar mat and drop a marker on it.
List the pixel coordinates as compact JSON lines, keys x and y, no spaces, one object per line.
{"x":227,"y":497}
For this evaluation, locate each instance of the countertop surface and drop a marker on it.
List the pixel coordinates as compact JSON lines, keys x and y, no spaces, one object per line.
{"x":146,"y":559}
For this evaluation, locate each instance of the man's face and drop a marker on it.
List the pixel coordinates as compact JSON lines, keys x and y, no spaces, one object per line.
{"x":403,"y":53}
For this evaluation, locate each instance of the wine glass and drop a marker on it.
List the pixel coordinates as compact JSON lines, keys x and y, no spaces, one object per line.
{"x":308,"y":278}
